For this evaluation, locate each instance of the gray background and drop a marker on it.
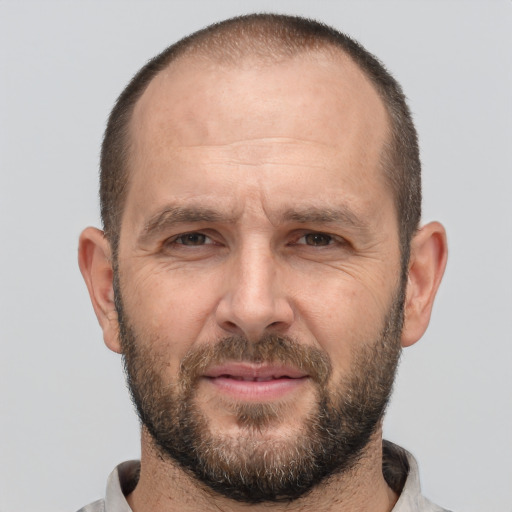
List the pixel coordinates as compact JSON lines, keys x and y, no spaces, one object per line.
{"x":65,"y":416}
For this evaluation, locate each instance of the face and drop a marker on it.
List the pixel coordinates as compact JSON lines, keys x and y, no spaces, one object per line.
{"x":258,"y":274}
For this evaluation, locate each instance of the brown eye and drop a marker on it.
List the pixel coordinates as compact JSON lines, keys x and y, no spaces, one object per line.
{"x":317,"y":239}
{"x":192,"y":239}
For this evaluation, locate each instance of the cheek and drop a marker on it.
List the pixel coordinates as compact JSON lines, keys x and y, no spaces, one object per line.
{"x":172,"y":309}
{"x":343,"y":319}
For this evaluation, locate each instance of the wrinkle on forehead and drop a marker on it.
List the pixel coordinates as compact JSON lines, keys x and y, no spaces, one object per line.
{"x":267,"y":151}
{"x":255,"y":141}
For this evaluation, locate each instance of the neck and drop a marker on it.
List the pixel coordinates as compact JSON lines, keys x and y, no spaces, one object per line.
{"x":165,"y":487}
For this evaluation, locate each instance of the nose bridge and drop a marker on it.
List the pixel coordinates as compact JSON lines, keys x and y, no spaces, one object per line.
{"x":257,"y":269}
{"x":254,"y":300}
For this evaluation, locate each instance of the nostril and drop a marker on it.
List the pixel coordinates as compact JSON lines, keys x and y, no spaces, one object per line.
{"x":230,"y":326}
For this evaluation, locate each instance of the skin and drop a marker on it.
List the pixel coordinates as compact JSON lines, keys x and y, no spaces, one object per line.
{"x":300,"y":238}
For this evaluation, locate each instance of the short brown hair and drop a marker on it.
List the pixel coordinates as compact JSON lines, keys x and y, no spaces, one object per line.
{"x":269,"y":36}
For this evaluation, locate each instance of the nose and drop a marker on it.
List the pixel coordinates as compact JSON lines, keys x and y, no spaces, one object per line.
{"x":254,"y":301}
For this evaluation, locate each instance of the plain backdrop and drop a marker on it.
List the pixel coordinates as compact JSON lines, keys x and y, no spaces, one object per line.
{"x":65,"y":416}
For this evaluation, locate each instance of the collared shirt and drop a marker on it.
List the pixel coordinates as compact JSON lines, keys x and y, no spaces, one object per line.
{"x":399,"y":468}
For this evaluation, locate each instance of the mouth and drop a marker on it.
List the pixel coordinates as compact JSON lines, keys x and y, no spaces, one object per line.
{"x":255,"y":383}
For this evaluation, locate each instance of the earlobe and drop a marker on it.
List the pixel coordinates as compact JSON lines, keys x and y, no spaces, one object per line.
{"x":94,"y":260}
{"x":429,"y":253}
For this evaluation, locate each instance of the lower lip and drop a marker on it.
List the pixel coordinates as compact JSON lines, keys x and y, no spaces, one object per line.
{"x":255,"y":391}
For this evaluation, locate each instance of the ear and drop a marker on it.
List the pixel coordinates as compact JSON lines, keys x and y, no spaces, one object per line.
{"x":429,"y":253}
{"x":94,"y":260}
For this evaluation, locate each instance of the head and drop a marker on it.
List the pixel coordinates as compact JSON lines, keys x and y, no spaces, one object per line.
{"x":262,"y":263}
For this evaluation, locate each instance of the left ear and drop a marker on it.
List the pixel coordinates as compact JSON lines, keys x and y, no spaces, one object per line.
{"x":429,"y":252}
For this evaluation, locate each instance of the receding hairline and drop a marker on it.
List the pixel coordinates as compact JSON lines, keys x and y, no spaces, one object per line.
{"x":262,"y":39}
{"x":249,"y":56}
{"x":327,"y":55}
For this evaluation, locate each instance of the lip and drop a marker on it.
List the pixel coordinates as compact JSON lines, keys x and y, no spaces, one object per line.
{"x":250,"y":382}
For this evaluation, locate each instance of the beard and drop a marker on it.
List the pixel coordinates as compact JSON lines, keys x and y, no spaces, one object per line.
{"x":252,"y":467}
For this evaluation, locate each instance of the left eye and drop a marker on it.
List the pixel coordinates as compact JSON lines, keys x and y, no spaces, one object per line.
{"x":192,"y":239}
{"x":316,"y":239}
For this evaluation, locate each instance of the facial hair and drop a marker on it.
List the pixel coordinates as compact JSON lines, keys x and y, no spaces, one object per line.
{"x":251,"y":468}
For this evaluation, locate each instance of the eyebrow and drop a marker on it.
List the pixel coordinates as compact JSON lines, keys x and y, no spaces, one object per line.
{"x":173,"y":215}
{"x":321,"y":215}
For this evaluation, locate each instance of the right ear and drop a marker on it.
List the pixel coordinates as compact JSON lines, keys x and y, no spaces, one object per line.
{"x":95,"y":262}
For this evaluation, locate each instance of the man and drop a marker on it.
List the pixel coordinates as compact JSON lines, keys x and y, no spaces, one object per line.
{"x":260,"y":268}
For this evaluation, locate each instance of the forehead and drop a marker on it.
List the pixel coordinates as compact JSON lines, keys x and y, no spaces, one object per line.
{"x":317,"y":111}
{"x":314,"y":95}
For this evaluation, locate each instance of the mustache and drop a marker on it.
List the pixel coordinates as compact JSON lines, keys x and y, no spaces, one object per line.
{"x":270,"y":348}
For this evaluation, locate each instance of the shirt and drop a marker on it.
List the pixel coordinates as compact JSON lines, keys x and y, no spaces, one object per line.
{"x":399,"y":468}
